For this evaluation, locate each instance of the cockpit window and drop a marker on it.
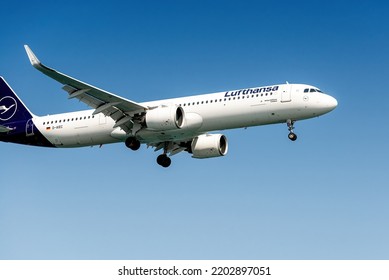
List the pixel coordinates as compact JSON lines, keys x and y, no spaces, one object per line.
{"x":312,"y":90}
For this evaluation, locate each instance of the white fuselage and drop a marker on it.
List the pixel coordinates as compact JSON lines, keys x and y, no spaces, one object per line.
{"x":217,"y":111}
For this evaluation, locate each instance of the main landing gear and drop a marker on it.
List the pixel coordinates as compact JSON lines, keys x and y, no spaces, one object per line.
{"x":163,"y":160}
{"x":292,"y":136}
{"x":132,"y":143}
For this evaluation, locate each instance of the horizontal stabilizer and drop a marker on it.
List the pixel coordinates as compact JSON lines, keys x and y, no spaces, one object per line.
{"x":4,"y":129}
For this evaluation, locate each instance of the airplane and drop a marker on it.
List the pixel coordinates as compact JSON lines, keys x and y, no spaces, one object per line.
{"x":191,"y":124}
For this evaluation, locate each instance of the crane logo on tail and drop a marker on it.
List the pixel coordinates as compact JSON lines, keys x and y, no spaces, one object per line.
{"x":8,"y":107}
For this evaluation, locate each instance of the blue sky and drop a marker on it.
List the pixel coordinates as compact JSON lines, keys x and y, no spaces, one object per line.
{"x":323,"y":197}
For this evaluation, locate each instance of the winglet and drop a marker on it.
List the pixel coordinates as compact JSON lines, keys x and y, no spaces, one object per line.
{"x":33,"y":59}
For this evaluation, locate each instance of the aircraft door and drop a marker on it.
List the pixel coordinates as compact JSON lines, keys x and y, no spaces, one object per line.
{"x":29,"y":128}
{"x":286,"y":93}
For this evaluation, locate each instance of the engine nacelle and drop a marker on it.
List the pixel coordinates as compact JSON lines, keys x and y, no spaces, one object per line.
{"x":209,"y":145}
{"x":165,"y":118}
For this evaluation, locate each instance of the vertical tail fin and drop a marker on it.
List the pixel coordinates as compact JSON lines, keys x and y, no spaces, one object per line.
{"x":12,"y":109}
{"x":16,"y":121}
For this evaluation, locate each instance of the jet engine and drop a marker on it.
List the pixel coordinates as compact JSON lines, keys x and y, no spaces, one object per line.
{"x":209,"y":145}
{"x":165,"y":118}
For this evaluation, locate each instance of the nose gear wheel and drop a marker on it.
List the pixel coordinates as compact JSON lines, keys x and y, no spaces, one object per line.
{"x":292,"y":136}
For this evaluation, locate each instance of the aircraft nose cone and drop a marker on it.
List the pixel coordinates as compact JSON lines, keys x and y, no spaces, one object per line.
{"x":324,"y":104}
{"x":331,"y":103}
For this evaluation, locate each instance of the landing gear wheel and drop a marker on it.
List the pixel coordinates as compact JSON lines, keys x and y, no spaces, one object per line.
{"x":163,"y":160}
{"x":132,"y":143}
{"x":292,"y":136}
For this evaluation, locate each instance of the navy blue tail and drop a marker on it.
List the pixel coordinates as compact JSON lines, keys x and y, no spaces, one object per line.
{"x":16,"y":121}
{"x":12,"y":108}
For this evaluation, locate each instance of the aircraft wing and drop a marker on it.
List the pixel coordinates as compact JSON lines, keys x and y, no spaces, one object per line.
{"x":121,"y":110}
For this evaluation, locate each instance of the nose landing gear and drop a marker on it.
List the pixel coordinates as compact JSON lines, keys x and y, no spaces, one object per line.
{"x":292,"y":136}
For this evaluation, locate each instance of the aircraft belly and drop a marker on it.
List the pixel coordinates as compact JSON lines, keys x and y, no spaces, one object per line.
{"x":152,"y":136}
